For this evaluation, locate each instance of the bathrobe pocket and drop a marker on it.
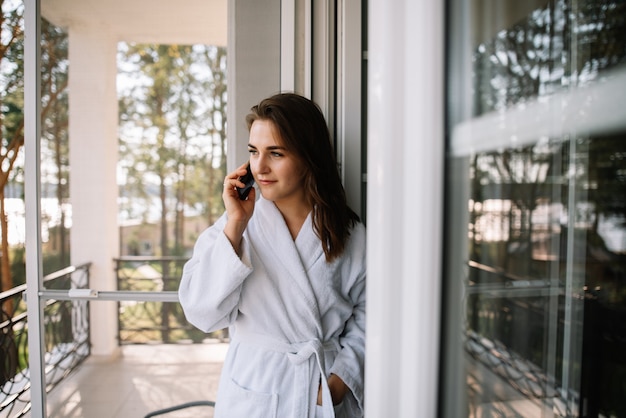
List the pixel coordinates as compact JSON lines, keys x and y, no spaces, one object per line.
{"x":240,"y":402}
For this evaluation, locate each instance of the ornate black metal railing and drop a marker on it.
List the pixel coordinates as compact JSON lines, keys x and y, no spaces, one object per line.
{"x":66,"y":339}
{"x":501,"y":306}
{"x":143,"y":322}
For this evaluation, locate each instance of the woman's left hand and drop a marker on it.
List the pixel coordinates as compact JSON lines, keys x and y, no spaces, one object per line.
{"x":338,"y":390}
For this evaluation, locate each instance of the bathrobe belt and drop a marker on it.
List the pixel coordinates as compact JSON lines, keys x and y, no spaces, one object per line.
{"x":300,"y":354}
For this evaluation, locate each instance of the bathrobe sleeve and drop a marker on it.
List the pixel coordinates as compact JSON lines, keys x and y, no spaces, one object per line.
{"x":349,"y":364}
{"x":210,"y":286}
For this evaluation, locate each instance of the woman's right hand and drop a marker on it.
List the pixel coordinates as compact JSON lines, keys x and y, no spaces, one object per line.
{"x":239,"y":211}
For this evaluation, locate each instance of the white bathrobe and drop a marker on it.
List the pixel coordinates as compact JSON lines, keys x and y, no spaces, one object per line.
{"x":294,"y":318}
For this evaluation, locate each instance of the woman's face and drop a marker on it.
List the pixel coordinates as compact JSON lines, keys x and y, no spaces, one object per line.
{"x":276,"y":170}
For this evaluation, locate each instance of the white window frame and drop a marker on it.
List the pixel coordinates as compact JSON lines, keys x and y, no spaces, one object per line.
{"x":32,"y":203}
{"x":404,"y":206}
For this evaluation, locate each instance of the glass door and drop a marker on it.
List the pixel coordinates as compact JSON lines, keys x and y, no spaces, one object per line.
{"x":535,"y":297}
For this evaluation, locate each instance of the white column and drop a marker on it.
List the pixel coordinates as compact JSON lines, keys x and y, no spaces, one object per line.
{"x":405,"y":192}
{"x":93,"y":159}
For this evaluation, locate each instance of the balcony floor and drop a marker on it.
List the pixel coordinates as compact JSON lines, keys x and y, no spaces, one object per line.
{"x":143,"y":379}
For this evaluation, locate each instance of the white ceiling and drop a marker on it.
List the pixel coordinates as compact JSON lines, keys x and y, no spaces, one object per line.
{"x":146,"y":21}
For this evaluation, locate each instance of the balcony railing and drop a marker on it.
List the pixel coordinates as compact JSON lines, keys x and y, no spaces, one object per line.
{"x":149,"y":312}
{"x":66,"y":326}
{"x":153,"y":320}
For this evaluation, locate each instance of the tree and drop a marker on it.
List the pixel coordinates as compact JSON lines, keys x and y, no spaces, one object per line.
{"x":172,"y":115}
{"x":54,"y":81}
{"x":212,"y":124}
{"x":11,"y":117}
{"x":53,"y":113}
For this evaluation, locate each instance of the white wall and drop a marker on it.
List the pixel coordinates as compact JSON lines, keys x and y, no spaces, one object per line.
{"x":253,"y":66}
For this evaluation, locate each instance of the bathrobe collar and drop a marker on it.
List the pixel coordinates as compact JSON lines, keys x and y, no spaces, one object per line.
{"x":295,"y":256}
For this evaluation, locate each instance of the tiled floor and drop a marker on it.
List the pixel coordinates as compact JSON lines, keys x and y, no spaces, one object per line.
{"x":145,"y":378}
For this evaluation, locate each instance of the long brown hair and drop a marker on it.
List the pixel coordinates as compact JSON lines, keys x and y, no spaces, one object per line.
{"x":303,"y":130}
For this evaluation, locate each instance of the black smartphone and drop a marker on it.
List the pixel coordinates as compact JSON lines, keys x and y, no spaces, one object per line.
{"x":248,"y":180}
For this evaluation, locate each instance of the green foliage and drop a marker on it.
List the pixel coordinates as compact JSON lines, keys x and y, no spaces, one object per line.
{"x":173,"y":134}
{"x":54,"y":47}
{"x":51,"y":263}
{"x":18,"y":265}
{"x":11,"y":85}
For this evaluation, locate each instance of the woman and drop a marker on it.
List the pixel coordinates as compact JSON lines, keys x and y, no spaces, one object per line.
{"x":286,"y":273}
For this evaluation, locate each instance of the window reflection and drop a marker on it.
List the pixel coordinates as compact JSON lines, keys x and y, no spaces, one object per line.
{"x":520,"y":305}
{"x":562,"y":44}
{"x":545,"y":285}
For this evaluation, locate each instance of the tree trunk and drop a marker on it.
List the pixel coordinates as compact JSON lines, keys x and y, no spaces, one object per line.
{"x":5,"y":267}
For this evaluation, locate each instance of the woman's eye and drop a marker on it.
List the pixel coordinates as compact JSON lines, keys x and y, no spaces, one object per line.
{"x":276,"y":154}
{"x":252,"y":151}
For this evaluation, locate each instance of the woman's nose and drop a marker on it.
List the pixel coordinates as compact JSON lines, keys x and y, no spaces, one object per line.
{"x":262,"y":166}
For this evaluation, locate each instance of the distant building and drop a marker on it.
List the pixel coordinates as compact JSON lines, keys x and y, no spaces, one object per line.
{"x":139,"y":238}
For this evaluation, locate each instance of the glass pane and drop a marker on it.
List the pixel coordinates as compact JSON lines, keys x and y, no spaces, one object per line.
{"x":537,"y":231}
{"x":554,"y":47}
